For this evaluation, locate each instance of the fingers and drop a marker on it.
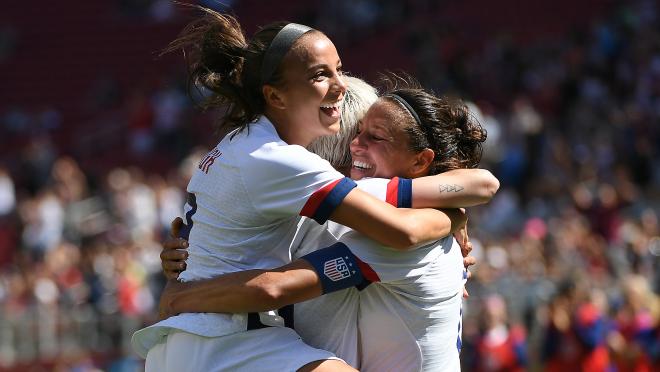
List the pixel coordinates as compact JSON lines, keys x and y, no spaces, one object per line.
{"x":469,"y":261}
{"x":172,"y":271}
{"x":175,"y":244}
{"x":176,"y":226}
{"x":174,"y":266}
{"x":173,"y":262}
{"x":171,"y":275}
{"x":173,"y":254}
{"x":466,"y":249}
{"x":465,"y":293}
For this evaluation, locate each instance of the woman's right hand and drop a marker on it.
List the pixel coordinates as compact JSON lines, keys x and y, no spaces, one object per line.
{"x":174,"y":254}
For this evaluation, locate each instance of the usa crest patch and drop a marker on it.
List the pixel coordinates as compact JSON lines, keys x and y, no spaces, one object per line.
{"x":336,"y":269}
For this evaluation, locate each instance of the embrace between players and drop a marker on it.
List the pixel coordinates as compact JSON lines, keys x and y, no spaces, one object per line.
{"x":371,"y":262}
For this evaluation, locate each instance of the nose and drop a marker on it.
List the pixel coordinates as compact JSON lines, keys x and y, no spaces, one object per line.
{"x":357,"y":144}
{"x":339,"y":85}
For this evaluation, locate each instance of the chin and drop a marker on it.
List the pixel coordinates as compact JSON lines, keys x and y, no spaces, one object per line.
{"x":334,"y":128}
{"x":358,"y":174}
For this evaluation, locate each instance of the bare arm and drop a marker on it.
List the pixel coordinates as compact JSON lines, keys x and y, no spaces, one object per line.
{"x":243,"y":291}
{"x":399,"y":228}
{"x":457,"y":188}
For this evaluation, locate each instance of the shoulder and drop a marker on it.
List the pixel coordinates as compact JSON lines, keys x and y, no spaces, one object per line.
{"x":261,"y":147}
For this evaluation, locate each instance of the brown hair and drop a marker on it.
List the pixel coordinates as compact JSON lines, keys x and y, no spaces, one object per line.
{"x":221,"y":60}
{"x":445,"y":126}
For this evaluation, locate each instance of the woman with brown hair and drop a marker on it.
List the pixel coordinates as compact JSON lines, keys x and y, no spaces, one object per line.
{"x":281,"y":89}
{"x":409,"y":318}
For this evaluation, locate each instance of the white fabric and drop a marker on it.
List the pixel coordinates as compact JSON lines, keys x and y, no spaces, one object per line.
{"x":413,"y":323}
{"x":328,"y":322}
{"x":410,"y":321}
{"x":273,"y":349}
{"x":249,"y":191}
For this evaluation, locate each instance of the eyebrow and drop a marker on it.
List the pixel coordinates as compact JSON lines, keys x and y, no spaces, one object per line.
{"x":382,"y":126}
{"x":324,"y":65}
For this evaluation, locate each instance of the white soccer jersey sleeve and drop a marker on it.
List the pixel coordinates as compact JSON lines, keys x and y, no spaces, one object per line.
{"x":286,"y":180}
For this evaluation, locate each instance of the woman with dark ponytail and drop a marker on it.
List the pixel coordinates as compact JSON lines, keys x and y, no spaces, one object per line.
{"x":410,"y":319}
{"x":282,"y":89}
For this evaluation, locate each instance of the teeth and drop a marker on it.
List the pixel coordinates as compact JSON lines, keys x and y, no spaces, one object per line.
{"x":361,"y":164}
{"x":334,"y":105}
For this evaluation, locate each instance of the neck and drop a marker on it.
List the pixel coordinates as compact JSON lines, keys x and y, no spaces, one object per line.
{"x":288,"y":132}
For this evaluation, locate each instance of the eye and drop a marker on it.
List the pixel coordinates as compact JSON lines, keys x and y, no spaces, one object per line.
{"x":376,"y":138}
{"x":320,"y":76}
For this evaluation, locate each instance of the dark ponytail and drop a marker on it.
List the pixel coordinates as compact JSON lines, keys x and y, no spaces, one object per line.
{"x":445,"y":125}
{"x":222,"y":61}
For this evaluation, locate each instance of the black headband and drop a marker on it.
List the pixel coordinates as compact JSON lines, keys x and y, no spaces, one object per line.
{"x":405,"y":104}
{"x":278,"y":48}
{"x":402,"y":101}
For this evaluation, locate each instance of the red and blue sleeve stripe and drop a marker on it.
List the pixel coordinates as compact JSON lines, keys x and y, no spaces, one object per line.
{"x":399,"y":192}
{"x":324,"y":201}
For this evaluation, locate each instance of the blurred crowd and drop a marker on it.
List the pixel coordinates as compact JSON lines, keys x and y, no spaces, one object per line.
{"x":568,"y":252}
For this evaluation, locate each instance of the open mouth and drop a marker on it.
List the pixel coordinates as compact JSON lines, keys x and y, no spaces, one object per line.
{"x":360,"y":165}
{"x":333,"y":110}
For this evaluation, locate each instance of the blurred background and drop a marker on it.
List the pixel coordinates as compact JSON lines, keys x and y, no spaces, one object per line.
{"x":98,"y":139}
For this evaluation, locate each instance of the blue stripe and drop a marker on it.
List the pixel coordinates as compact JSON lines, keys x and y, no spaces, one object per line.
{"x":404,"y":199}
{"x":192,"y":202}
{"x":333,"y":199}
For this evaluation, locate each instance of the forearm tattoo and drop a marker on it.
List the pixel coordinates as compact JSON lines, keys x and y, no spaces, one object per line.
{"x":450,"y":188}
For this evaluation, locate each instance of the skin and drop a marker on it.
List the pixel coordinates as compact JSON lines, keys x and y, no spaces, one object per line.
{"x":312,"y":79}
{"x":381,"y":146}
{"x":382,"y":150}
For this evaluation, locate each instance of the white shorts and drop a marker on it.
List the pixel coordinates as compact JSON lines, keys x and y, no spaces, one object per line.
{"x":267,"y":349}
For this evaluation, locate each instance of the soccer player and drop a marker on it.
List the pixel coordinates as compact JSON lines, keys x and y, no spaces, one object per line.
{"x":282,"y":89}
{"x":411,"y":319}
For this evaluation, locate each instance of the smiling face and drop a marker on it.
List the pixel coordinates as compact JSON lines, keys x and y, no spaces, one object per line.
{"x":381,"y":148}
{"x":311,"y":92}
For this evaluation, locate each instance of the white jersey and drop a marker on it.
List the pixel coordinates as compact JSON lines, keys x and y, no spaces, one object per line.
{"x":411,"y":321}
{"x":245,"y":199}
{"x":407,"y":318}
{"x":328,"y":322}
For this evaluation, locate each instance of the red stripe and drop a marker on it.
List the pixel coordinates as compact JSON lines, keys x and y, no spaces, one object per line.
{"x":367,"y":271}
{"x":317,"y":198}
{"x":392,"y":195}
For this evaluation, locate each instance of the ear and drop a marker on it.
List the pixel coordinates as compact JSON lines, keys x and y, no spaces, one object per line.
{"x":273,"y":97}
{"x":422,"y":163}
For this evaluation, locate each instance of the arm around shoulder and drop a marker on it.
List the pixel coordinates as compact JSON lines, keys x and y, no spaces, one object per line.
{"x":398,"y":228}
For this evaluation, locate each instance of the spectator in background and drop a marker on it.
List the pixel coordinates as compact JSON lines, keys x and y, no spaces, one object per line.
{"x":595,"y":88}
{"x":501,"y":346}
{"x":635,"y":338}
{"x":576,"y":330}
